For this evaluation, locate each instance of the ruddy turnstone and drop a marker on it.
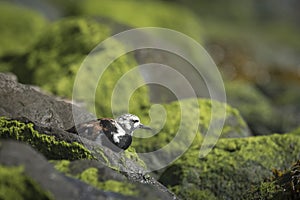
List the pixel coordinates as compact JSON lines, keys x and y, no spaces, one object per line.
{"x":117,"y":131}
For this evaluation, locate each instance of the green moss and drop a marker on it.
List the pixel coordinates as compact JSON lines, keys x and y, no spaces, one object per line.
{"x":47,"y":145}
{"x":90,"y":176}
{"x":19,"y":28}
{"x":284,"y":184}
{"x":14,"y":184}
{"x":234,"y":124}
{"x":120,"y":187}
{"x":60,"y":52}
{"x":264,"y":191}
{"x":141,"y":14}
{"x":104,"y":158}
{"x":62,"y":166}
{"x":233,"y":166}
{"x":193,"y":193}
{"x":56,"y":58}
{"x":131,"y":154}
{"x":83,"y":171}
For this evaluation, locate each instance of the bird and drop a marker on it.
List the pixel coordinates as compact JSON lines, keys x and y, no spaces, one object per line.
{"x":114,"y":133}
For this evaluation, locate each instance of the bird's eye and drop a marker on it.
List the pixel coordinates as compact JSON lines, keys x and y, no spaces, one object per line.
{"x":135,"y":121}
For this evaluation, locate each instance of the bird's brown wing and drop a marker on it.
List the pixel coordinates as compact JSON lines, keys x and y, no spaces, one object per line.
{"x":108,"y":126}
{"x":92,"y":129}
{"x":89,"y":130}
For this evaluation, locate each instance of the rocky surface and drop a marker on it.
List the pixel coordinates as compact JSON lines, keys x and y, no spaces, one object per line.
{"x":231,"y":168}
{"x":19,"y":100}
{"x":238,"y":167}
{"x":114,"y":170}
{"x":39,"y":170}
{"x":53,"y":142}
{"x":46,"y":134}
{"x":284,"y":184}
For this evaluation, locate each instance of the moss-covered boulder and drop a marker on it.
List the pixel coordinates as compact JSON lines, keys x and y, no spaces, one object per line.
{"x":104,"y":178}
{"x":15,"y":184}
{"x":57,"y":144}
{"x":232,"y":167}
{"x":155,"y":14}
{"x":98,"y":175}
{"x":61,"y":50}
{"x":40,"y":120}
{"x":234,"y":125}
{"x":48,"y":145}
{"x":256,"y":108}
{"x":20,"y":27}
{"x":26,"y":174}
{"x":56,"y":58}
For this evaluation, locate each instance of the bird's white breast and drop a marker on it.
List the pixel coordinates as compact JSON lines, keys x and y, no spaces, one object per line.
{"x":120,"y":132}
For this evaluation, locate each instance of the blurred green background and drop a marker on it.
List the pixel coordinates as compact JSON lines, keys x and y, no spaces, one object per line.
{"x":255,"y":44}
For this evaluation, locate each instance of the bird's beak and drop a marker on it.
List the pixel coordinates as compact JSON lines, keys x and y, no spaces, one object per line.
{"x":144,"y":127}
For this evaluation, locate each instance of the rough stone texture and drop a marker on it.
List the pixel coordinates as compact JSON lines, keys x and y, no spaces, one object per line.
{"x":232,"y":167}
{"x":104,"y":178}
{"x":18,"y":100}
{"x":50,"y":139}
{"x":38,"y":169}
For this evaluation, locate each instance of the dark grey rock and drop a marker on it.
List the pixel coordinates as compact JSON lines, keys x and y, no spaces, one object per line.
{"x":37,"y":167}
{"x":18,"y":100}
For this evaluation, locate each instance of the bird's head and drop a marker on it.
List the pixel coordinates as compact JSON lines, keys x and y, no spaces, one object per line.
{"x":130,"y":123}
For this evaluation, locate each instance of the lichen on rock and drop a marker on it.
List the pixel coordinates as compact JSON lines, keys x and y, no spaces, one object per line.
{"x":233,"y":165}
{"x":284,"y":184}
{"x":48,"y":145}
{"x":91,"y":175}
{"x":102,"y":177}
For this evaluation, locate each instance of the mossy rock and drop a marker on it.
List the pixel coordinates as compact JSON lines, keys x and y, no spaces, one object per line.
{"x":101,"y":177}
{"x":20,"y":27}
{"x":94,"y":174}
{"x":256,"y":108}
{"x":234,"y":125}
{"x":284,"y":184}
{"x":140,"y":14}
{"x":48,"y":145}
{"x":56,"y":58}
{"x":15,"y":184}
{"x":232,"y":167}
